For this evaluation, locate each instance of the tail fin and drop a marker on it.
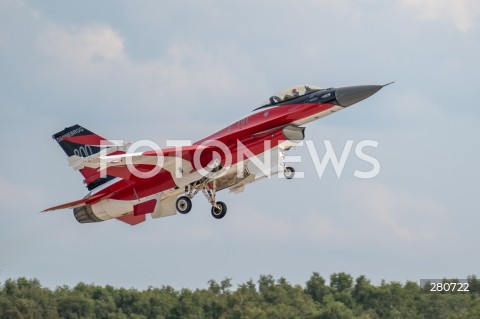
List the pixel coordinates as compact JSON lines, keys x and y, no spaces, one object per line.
{"x":77,"y":140}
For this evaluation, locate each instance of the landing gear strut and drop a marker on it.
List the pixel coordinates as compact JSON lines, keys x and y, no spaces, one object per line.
{"x":219,"y":209}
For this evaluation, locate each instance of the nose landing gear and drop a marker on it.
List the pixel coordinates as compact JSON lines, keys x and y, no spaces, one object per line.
{"x":289,"y":172}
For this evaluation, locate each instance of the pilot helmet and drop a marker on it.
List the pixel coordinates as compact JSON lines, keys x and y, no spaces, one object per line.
{"x":295,"y":92}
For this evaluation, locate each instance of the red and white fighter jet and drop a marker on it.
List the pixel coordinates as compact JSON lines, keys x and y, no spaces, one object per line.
{"x":128,"y":186}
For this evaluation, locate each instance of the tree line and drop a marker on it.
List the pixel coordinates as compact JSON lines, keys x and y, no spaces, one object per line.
{"x":342,"y":298}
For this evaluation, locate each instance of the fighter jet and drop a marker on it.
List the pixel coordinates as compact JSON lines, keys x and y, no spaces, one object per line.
{"x":128,"y":185}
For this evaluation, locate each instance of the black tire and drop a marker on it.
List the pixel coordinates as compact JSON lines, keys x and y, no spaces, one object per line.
{"x":219,"y":213}
{"x":183,"y":204}
{"x":289,"y":172}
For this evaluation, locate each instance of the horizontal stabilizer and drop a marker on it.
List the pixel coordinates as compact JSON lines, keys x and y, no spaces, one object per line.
{"x":90,"y":200}
{"x":73,"y":204}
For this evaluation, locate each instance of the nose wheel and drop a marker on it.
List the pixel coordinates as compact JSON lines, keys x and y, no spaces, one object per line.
{"x":289,"y":172}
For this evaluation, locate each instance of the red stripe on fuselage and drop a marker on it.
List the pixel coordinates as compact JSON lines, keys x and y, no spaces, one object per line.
{"x":263,"y":120}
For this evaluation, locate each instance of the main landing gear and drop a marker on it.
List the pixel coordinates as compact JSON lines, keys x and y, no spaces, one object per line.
{"x":184,"y":204}
{"x":219,"y":210}
{"x":209,"y":190}
{"x":208,"y":187}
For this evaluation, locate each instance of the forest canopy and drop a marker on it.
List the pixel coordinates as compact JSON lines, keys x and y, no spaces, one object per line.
{"x":343,"y":297}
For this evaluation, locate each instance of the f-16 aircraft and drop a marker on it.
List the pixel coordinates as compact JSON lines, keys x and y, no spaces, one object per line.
{"x":130,"y":185}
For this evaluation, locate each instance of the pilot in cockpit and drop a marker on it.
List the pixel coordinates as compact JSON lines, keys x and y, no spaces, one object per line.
{"x":295,"y":93}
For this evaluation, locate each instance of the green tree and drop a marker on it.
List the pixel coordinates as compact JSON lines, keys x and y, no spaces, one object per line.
{"x":316,"y":288}
{"x":278,"y":299}
{"x":335,"y":310}
{"x":74,"y":306}
{"x":160,"y":302}
{"x":473,"y":284}
{"x":341,"y":281}
{"x":187,"y":306}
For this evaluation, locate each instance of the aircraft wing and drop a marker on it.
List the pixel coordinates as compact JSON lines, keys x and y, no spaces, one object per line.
{"x":131,"y":165}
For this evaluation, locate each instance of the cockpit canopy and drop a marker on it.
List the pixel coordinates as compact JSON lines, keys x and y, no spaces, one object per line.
{"x":289,"y":93}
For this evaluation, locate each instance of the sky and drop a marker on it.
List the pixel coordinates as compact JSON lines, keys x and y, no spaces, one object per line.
{"x":163,"y":70}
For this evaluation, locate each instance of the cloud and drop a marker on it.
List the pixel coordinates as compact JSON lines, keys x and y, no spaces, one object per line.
{"x":97,"y":46}
{"x":94,"y":58}
{"x":81,"y":46}
{"x":463,"y":13}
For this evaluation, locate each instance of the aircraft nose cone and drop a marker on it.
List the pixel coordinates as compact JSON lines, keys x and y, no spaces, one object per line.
{"x":349,"y":95}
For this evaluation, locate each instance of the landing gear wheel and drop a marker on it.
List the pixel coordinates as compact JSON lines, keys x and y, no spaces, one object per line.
{"x":289,"y":172}
{"x":219,"y":212}
{"x":183,"y":204}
